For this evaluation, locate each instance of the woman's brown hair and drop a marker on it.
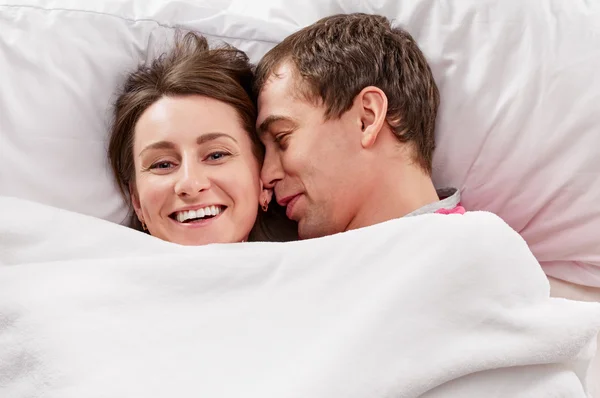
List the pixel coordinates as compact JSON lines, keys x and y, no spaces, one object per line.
{"x":190,"y":68}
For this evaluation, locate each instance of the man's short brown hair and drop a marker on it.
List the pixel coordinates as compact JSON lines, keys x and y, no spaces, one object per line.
{"x":338,"y":56}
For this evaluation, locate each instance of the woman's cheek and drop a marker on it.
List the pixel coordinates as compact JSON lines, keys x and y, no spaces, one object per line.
{"x":153,"y":194}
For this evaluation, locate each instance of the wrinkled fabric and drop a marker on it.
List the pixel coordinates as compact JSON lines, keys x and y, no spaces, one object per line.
{"x":89,"y":308}
{"x":517,"y":129}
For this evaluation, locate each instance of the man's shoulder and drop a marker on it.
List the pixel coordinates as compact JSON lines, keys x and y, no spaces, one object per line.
{"x":448,"y":203}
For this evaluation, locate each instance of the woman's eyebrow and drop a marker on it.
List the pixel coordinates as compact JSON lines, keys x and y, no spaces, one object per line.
{"x":158,"y":145}
{"x":213,"y":136}
{"x":204,"y":138}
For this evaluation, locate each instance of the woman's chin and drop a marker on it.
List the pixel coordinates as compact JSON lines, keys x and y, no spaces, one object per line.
{"x":201,"y":240}
{"x":215,"y":230}
{"x":196,"y":238}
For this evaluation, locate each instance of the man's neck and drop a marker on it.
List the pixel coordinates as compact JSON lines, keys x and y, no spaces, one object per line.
{"x":395,"y":195}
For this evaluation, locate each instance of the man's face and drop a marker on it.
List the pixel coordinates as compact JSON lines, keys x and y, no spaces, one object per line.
{"x":312,"y":164}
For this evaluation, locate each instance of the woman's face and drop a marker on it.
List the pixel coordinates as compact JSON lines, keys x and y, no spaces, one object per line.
{"x":196,"y":177}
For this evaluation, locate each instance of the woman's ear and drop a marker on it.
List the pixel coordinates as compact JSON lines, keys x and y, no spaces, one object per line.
{"x":135,"y":202}
{"x":265,"y":196}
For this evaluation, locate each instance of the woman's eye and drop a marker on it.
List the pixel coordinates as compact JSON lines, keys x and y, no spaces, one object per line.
{"x":161,"y":165}
{"x":217,"y":155}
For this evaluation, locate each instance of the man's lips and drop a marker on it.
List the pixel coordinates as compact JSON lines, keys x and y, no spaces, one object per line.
{"x":285,"y":201}
{"x":288,"y":202}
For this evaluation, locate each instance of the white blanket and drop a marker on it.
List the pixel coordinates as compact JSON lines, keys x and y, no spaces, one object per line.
{"x":433,"y":306}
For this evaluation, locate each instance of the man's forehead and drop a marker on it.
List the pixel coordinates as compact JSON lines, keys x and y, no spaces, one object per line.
{"x":278,"y":83}
{"x":277,"y":94}
{"x":283,"y":72}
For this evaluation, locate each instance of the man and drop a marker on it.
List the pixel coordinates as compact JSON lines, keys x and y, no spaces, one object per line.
{"x":347,"y":110}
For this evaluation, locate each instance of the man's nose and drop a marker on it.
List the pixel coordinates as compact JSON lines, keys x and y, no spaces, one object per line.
{"x":272,"y":170}
{"x":192,"y":179}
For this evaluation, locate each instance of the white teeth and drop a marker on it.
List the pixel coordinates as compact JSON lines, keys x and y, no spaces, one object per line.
{"x":182,"y":216}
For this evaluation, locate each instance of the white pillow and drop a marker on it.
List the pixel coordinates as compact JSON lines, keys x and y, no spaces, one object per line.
{"x":517,"y":129}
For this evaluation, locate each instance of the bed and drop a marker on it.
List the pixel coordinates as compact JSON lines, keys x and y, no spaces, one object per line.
{"x":518,"y":130}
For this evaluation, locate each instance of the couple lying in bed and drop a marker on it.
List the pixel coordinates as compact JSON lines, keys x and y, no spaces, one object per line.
{"x":343,"y":136}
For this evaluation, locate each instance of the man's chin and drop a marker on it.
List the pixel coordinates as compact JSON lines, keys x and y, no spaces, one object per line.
{"x":307,"y":230}
{"x":303,"y":231}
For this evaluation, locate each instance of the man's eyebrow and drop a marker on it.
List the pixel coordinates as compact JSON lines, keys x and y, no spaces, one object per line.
{"x":204,"y":138}
{"x":266,"y":124}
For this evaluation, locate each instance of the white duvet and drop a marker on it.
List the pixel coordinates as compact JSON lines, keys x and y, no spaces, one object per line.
{"x":432,"y":306}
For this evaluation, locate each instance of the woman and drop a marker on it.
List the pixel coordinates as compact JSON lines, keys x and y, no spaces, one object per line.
{"x":183,"y":152}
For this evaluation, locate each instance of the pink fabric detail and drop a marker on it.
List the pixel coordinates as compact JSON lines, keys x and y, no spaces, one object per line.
{"x":457,"y":210}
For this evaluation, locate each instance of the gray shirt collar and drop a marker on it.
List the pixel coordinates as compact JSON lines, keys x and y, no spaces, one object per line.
{"x":449,"y":199}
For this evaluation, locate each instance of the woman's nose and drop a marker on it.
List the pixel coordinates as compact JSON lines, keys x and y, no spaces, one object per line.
{"x":192,"y":179}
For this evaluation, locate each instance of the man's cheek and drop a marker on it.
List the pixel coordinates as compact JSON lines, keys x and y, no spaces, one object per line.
{"x":295,"y":163}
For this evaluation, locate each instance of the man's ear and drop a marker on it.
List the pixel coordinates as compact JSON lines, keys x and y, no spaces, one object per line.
{"x":372,"y":104}
{"x":135,"y":202}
